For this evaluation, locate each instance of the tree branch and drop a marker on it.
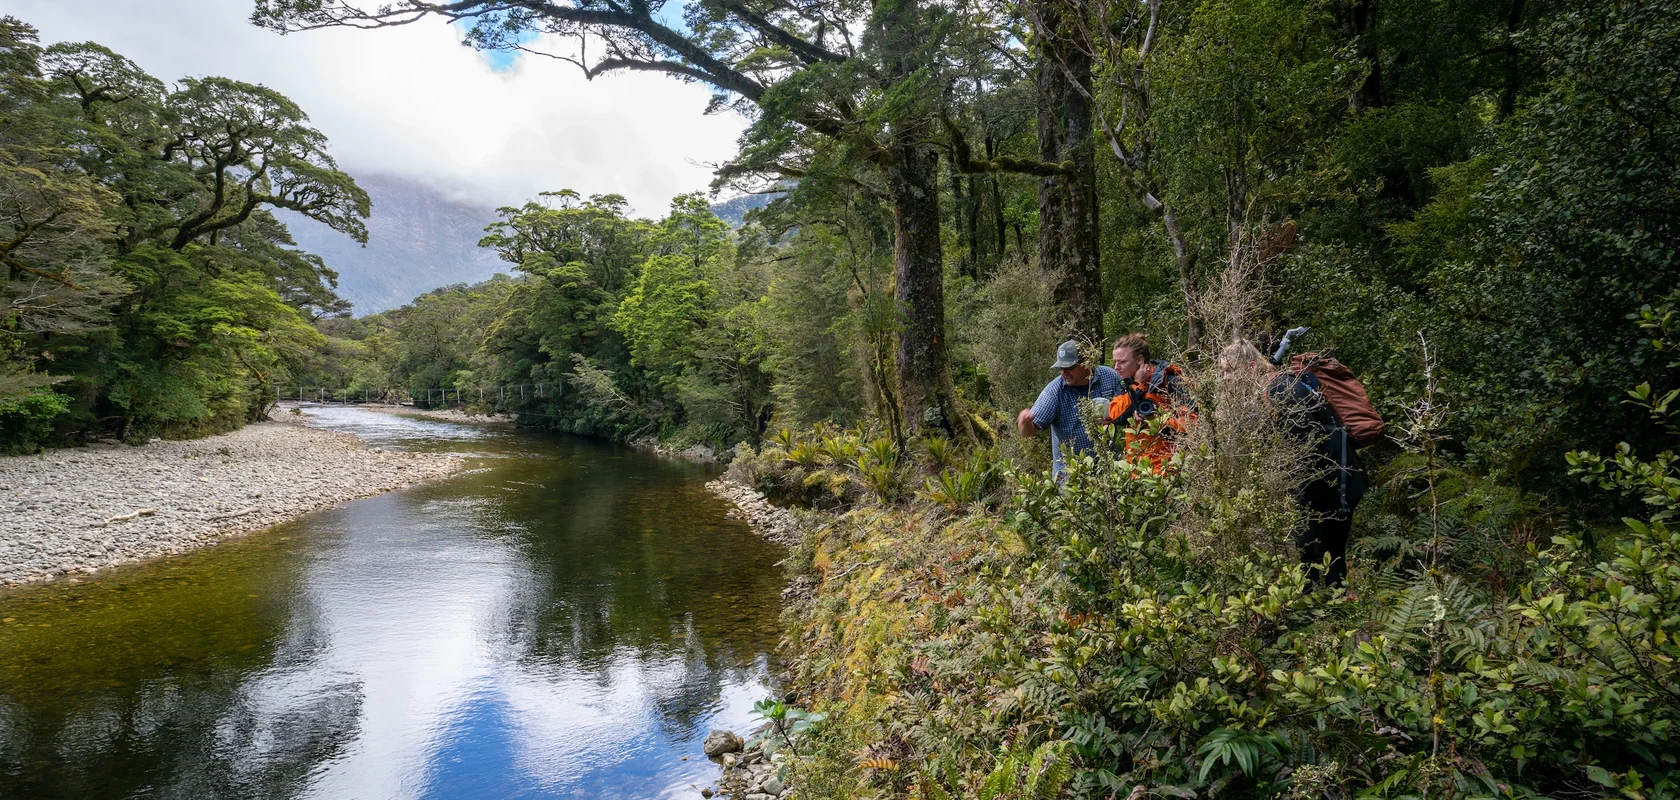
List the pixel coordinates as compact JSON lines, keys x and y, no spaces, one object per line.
{"x":14,"y":263}
{"x":965,"y":161}
{"x":807,"y":52}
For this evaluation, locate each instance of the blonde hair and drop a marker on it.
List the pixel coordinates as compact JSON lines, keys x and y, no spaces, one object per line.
{"x":1237,"y":355}
{"x":1135,"y":342}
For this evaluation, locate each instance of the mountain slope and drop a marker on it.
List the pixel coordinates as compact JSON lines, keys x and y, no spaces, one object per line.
{"x":418,"y":239}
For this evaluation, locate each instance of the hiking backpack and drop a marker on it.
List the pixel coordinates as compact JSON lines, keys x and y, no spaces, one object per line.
{"x":1345,"y":395}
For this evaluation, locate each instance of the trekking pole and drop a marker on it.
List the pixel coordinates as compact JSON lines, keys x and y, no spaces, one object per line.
{"x":1283,"y":346}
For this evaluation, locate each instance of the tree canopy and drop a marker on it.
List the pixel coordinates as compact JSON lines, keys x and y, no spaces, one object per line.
{"x":149,"y":289}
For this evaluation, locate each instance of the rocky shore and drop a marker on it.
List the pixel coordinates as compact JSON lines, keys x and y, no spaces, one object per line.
{"x":779,"y":525}
{"x":80,"y":510}
{"x":750,"y":770}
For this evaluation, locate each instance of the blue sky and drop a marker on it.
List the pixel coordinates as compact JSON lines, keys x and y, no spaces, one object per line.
{"x":670,"y":14}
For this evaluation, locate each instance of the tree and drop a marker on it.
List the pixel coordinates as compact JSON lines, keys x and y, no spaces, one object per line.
{"x":219,"y":149}
{"x":1068,"y":206}
{"x":145,"y":278}
{"x":804,"y":72}
{"x":51,"y":219}
{"x":672,"y":298}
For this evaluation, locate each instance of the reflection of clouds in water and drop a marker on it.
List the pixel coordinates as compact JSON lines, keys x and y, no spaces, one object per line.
{"x":438,"y":635}
{"x":461,"y":640}
{"x":210,"y":738}
{"x":404,"y":602}
{"x":591,"y":735}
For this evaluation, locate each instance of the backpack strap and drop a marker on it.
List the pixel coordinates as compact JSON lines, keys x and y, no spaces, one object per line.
{"x":1157,"y":376}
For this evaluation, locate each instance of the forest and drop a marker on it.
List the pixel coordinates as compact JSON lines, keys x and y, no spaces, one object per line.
{"x":149,"y":288}
{"x":1474,"y":204}
{"x":1499,"y":180}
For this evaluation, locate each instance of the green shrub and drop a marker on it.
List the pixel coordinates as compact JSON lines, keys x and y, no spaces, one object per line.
{"x":26,"y":418}
{"x":1088,"y":621}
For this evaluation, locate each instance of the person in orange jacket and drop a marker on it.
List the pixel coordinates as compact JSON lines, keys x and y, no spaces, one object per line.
{"x":1152,"y":388}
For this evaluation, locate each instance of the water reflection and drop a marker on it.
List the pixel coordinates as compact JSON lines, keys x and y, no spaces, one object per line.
{"x":566,"y":621}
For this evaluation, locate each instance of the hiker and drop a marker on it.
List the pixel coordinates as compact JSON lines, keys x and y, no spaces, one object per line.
{"x":1330,"y":498}
{"x":1152,"y":388}
{"x":1057,"y":407}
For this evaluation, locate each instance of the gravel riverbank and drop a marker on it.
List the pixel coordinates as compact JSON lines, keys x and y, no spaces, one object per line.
{"x":83,"y":509}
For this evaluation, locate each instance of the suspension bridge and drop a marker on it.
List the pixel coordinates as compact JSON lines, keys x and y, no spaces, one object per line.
{"x":505,"y":396}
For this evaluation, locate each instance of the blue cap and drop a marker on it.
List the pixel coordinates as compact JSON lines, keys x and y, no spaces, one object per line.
{"x":1067,"y":355}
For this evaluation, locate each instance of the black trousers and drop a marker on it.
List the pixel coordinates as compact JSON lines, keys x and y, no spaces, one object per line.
{"x":1326,"y":533}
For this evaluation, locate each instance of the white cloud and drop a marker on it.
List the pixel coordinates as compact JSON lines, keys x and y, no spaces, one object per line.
{"x":414,"y":102}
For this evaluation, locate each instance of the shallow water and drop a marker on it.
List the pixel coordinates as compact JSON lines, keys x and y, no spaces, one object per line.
{"x":567,"y":619}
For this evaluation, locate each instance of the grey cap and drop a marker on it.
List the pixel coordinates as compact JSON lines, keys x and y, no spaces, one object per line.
{"x":1067,"y":355}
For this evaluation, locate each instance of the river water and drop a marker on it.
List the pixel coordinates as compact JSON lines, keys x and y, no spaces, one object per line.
{"x":566,"y":619}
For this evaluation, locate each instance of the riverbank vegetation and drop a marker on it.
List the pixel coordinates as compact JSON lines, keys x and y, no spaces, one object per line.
{"x":148,"y":287}
{"x":1137,"y":634}
{"x":1476,"y":206}
{"x":971,"y":628}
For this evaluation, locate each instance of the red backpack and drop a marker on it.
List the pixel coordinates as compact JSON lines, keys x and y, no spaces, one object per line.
{"x":1345,"y":395}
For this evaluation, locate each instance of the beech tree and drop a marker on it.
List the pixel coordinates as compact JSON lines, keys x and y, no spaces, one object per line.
{"x":1067,"y":203}
{"x":220,"y":149}
{"x":866,"y":77}
{"x":148,"y":286}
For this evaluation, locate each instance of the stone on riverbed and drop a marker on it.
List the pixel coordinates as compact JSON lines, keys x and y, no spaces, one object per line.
{"x":719,"y":742}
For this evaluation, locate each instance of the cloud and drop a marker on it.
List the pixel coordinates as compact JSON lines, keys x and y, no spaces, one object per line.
{"x":413,"y":102}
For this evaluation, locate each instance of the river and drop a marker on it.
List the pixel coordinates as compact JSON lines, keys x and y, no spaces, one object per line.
{"x":565,"y":619}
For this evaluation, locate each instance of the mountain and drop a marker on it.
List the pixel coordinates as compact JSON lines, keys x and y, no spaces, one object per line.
{"x":734,"y":211}
{"x":419,"y":238}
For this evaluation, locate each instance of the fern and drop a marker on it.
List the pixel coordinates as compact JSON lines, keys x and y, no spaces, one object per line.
{"x":1406,"y":620}
{"x":1246,"y":749}
{"x":1020,"y":775}
{"x":1047,"y":770}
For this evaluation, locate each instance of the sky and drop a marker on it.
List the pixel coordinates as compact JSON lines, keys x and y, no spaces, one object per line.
{"x":492,"y":129}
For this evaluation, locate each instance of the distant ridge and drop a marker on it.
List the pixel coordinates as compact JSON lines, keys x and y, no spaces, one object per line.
{"x":734,"y":211}
{"x":419,"y":239}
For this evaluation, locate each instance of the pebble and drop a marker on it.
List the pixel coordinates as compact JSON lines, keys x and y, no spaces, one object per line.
{"x":720,"y":742}
{"x":75,"y":511}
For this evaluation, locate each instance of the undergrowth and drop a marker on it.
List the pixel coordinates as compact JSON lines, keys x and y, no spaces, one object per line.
{"x":977,"y":631}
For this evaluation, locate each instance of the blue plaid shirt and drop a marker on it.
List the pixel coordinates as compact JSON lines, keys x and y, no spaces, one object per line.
{"x":1057,"y":408}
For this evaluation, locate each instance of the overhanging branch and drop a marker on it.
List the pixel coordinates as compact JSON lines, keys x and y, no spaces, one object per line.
{"x":966,"y":162}
{"x":807,"y":52}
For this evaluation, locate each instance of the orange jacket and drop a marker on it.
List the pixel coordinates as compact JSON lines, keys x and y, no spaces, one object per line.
{"x":1153,"y":391}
